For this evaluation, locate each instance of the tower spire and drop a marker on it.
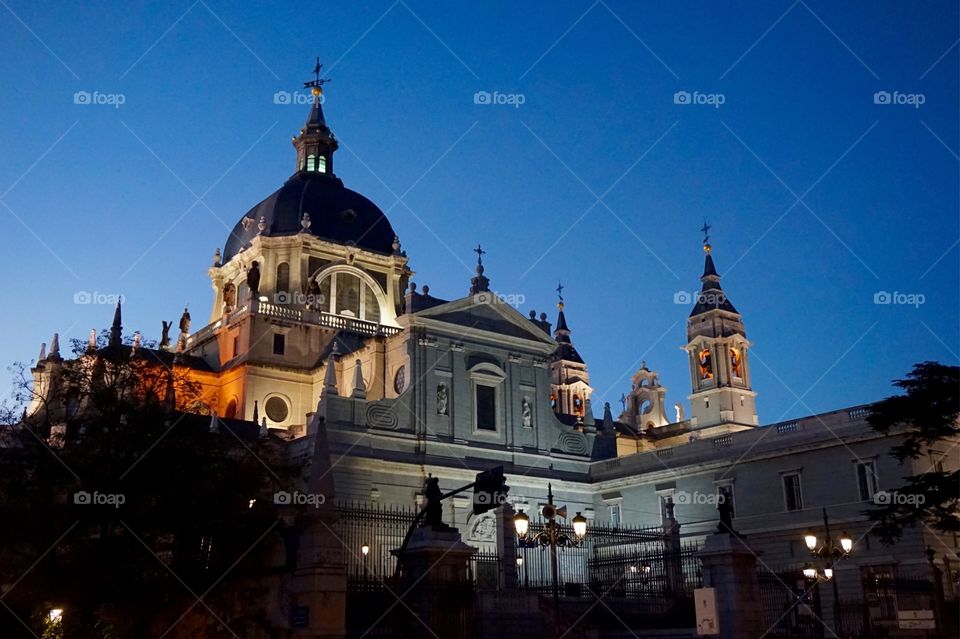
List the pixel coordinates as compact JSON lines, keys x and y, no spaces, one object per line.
{"x":116,"y":329}
{"x":316,"y":143}
{"x":711,"y":294}
{"x":561,"y":333}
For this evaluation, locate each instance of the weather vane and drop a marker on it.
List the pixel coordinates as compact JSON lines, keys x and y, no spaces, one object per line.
{"x":316,"y":85}
{"x":559,"y":290}
{"x":706,"y":236}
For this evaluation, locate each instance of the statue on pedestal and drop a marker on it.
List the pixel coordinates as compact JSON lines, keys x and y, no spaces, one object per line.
{"x":434,"y":515}
{"x":725,"y":510}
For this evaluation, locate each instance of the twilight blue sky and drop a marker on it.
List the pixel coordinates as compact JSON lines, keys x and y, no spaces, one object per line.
{"x":819,"y":198}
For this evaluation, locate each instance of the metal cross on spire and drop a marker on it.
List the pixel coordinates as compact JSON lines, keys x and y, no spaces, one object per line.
{"x":706,"y":232}
{"x":316,"y":85}
{"x":559,"y":290}
{"x":480,"y":253}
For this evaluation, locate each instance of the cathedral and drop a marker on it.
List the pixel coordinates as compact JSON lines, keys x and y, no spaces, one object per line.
{"x":315,"y":309}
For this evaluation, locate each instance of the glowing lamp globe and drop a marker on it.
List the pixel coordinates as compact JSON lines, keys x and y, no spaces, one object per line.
{"x":522,"y":523}
{"x":580,"y":526}
{"x":846,"y":542}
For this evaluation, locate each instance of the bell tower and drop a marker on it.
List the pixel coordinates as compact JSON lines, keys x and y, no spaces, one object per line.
{"x":570,"y":388}
{"x":718,"y":350}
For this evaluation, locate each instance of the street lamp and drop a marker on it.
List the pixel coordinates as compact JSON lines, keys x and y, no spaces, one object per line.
{"x":830,"y":552}
{"x":551,"y":536}
{"x":365,"y":549}
{"x":55,"y":615}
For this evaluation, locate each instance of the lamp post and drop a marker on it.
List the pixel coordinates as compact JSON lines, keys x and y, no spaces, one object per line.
{"x":830,"y":552}
{"x":365,"y":550}
{"x":551,"y":536}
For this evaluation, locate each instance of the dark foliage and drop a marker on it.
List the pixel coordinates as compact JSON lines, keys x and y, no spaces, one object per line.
{"x":926,"y":416}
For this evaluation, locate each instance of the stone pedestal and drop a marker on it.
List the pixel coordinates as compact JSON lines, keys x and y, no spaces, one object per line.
{"x":730,"y":568}
{"x":507,"y":545}
{"x":319,"y":585}
{"x":435,"y":586}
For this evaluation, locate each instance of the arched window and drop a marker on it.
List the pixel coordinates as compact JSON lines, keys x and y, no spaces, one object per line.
{"x":311,"y":162}
{"x":322,"y":163}
{"x":231,"y":412}
{"x":347,"y":294}
{"x":283,"y":277}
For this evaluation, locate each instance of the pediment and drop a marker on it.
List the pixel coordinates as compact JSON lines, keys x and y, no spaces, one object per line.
{"x":486,"y":313}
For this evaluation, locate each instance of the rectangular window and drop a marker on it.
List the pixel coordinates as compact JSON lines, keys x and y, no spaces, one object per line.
{"x":866,"y":480}
{"x":615,"y":515}
{"x":663,"y":507}
{"x":236,"y":345}
{"x":486,"y":407}
{"x":792,"y":495}
{"x":279,"y":342}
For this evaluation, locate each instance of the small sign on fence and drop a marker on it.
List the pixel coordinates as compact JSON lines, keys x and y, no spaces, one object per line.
{"x":706,"y":605}
{"x":916,"y":620}
{"x":300,"y":617}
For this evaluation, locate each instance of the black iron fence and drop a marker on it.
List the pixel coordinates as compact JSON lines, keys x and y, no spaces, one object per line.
{"x":790,"y":604}
{"x":642,"y":562}
{"x":378,"y":528}
{"x":642,"y":576}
